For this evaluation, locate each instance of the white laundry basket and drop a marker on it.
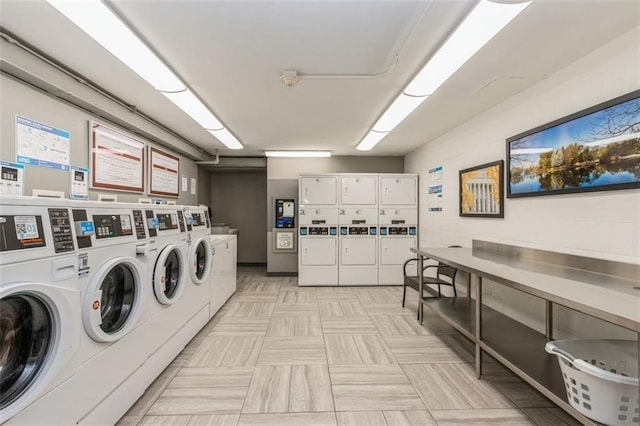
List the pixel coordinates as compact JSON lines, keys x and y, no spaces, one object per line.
{"x":601,"y":377}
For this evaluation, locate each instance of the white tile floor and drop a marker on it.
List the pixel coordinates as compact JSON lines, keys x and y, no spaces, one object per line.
{"x":278,"y":354}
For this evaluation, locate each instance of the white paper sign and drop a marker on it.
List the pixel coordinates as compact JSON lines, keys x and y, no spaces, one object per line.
{"x":185,"y":183}
{"x":193,"y":186}
{"x":164,"y":173}
{"x":284,"y":240}
{"x":117,"y":160}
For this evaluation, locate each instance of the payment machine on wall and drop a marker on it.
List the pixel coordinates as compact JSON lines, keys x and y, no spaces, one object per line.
{"x":285,"y":213}
{"x":284,"y":233}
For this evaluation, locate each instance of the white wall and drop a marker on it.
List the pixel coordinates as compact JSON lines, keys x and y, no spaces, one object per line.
{"x":20,"y":99}
{"x":599,"y":224}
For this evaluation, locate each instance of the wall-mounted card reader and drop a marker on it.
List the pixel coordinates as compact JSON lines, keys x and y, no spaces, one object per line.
{"x":153,"y":223}
{"x":84,"y":228}
{"x":285,"y":213}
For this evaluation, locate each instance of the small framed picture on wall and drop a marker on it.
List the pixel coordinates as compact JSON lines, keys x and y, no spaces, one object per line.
{"x":482,"y":190}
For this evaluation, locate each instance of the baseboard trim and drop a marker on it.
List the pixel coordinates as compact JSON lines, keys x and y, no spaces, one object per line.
{"x":282,"y":274}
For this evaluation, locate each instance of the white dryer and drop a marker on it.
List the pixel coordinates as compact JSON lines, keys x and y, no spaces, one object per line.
{"x":39,"y":305}
{"x":318,"y":246}
{"x":398,"y":220}
{"x":358,"y":246}
{"x":318,"y":230}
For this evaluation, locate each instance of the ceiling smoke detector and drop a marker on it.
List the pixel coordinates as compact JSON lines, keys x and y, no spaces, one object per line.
{"x":289,"y":78}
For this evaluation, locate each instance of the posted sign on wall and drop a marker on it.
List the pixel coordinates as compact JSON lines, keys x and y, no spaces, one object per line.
{"x":38,"y":144}
{"x":117,"y":160}
{"x":164,"y":176}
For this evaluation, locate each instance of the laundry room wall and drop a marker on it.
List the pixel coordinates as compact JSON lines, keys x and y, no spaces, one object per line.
{"x":237,"y":199}
{"x":282,"y":182}
{"x":603,"y":224}
{"x":20,"y":99}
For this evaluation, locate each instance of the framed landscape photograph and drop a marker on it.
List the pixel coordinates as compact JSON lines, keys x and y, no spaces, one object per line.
{"x":482,"y":190}
{"x":597,"y":149}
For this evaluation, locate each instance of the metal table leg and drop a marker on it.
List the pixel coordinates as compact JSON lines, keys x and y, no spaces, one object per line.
{"x":548,"y":319}
{"x":478,"y":318}
{"x":421,"y":290}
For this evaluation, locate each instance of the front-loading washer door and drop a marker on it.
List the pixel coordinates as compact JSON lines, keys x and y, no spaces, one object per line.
{"x":26,"y":331}
{"x":200,"y":256}
{"x":168,"y":275}
{"x":112,"y":300}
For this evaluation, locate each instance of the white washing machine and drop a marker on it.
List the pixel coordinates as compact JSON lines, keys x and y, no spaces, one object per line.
{"x":198,"y":292}
{"x":358,"y":246}
{"x":109,"y":238}
{"x":162,"y":336}
{"x":223,"y":270}
{"x":318,"y":246}
{"x":39,"y":304}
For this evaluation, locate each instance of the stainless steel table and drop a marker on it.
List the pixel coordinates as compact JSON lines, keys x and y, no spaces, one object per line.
{"x":606,"y":290}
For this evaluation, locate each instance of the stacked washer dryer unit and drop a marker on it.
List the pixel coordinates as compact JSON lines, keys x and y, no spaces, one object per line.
{"x":40,"y":295}
{"x":358,"y":217}
{"x":318,"y":230}
{"x":112,"y":279}
{"x":398,"y":220}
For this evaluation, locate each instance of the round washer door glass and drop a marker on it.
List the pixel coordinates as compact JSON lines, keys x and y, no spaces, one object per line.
{"x":172,"y":273}
{"x":201,"y":258}
{"x":118,"y":296}
{"x":26,"y":330}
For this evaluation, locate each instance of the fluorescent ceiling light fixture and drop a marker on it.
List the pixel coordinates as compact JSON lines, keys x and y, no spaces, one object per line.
{"x":397,"y":111}
{"x":298,"y":154}
{"x":225,"y":136}
{"x":485,"y":21}
{"x":189,"y":103}
{"x":371,"y":140}
{"x":98,"y":21}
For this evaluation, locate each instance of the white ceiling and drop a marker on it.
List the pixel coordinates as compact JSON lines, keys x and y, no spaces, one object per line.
{"x":354,"y":57}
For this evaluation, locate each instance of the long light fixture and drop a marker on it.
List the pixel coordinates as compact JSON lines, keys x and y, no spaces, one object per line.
{"x":99,"y":22}
{"x":485,"y":21}
{"x":297,"y":154}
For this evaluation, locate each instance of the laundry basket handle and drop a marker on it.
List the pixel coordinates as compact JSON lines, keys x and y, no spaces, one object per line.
{"x":589,"y":368}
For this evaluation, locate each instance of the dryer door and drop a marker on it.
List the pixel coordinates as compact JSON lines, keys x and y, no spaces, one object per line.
{"x":112,"y":300}
{"x":168,"y":275}
{"x":200,"y":260}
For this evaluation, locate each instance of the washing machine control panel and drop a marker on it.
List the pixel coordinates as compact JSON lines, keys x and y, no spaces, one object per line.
{"x":112,"y":225}
{"x":60,"y":220}
{"x":21,"y":232}
{"x":167,"y":221}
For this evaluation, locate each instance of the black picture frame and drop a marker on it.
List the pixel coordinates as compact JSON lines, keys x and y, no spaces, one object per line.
{"x":481,"y":190}
{"x":596,"y":149}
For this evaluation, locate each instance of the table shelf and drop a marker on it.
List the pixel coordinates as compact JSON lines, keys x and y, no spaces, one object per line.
{"x":527,"y":358}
